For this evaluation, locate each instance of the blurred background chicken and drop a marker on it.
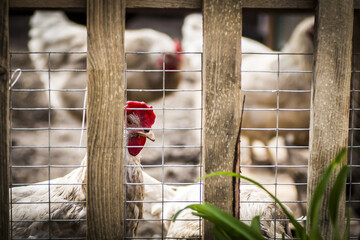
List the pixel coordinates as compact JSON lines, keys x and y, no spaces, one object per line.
{"x":182,"y":128}
{"x":253,"y":202}
{"x":290,"y":72}
{"x":53,"y":31}
{"x":300,"y":47}
{"x":192,"y":41}
{"x":192,"y":45}
{"x":260,"y":72}
{"x":67,"y":195}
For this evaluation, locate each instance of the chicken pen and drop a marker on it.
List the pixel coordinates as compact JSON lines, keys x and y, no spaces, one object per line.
{"x":312,"y":107}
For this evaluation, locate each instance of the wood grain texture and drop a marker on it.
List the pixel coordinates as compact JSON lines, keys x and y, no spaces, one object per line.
{"x":354,"y":137}
{"x":106,"y":73}
{"x":48,"y":4}
{"x":329,"y":124}
{"x":221,"y":99}
{"x":292,"y":4}
{"x":191,"y":4}
{"x":356,"y":4}
{"x":81,"y":4}
{"x":195,"y":4}
{"x":4,"y":119}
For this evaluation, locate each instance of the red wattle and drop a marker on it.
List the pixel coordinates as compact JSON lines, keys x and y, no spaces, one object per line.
{"x":136,"y":141}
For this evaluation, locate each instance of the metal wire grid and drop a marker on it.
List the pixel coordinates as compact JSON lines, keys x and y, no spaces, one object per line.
{"x":353,"y":183}
{"x":353,"y":128}
{"x":50,"y":128}
{"x":353,"y":155}
{"x":253,"y":166}
{"x":163,"y":109}
{"x":30,"y":129}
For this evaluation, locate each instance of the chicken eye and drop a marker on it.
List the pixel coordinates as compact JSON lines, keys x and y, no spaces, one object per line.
{"x":129,"y":122}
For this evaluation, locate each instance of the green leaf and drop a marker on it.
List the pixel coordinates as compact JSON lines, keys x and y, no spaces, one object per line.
{"x":255,"y":224}
{"x":346,"y":233}
{"x":335,"y":194}
{"x":177,"y":214}
{"x":227,"y":226}
{"x":230,"y":224}
{"x":340,"y":156}
{"x":224,"y":221}
{"x":316,"y":200}
{"x":300,"y":231}
{"x":220,"y":234}
{"x":334,"y":199}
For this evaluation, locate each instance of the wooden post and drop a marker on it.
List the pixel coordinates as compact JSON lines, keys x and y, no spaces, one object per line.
{"x":329,"y":124}
{"x":4,"y":119}
{"x":221,"y":99}
{"x":106,"y":78}
{"x":355,"y":115}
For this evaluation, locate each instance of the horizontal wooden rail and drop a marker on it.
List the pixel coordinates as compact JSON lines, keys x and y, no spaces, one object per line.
{"x":187,"y":4}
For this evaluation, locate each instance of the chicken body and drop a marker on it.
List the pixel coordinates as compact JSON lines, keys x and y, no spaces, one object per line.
{"x":53,"y":31}
{"x":300,"y":45}
{"x":193,"y":37}
{"x":253,"y":202}
{"x":149,"y":40}
{"x":260,"y":72}
{"x":192,"y":41}
{"x":66,"y":211}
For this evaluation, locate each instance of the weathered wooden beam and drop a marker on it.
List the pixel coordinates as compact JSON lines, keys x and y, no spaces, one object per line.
{"x":354,"y":138}
{"x":81,"y":4}
{"x":195,"y":4}
{"x":4,"y":119}
{"x":329,"y":124}
{"x":106,"y":88}
{"x":48,"y":4}
{"x":221,"y":99}
{"x":190,"y":4}
{"x":356,"y":4}
{"x":280,"y":4}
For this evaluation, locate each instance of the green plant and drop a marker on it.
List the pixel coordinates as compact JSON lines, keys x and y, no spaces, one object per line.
{"x":228,"y":227}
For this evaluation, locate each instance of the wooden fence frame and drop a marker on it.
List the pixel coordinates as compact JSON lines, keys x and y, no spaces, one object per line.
{"x":328,"y":130}
{"x":4,"y":119}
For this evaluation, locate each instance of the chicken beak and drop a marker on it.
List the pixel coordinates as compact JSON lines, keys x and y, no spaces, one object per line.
{"x":149,"y":135}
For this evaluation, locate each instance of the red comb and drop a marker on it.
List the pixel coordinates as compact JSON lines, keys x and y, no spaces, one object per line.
{"x":178,"y":47}
{"x":147,"y":117}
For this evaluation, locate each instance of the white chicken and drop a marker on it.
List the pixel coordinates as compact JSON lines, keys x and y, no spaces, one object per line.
{"x":253,"y":202}
{"x":260,"y":72}
{"x":53,"y":31}
{"x":61,"y":202}
{"x":192,"y":37}
{"x":189,"y":98}
{"x":192,"y":41}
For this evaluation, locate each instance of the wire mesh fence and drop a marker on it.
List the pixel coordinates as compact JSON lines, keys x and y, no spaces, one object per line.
{"x":352,"y":196}
{"x":172,"y":162}
{"x":46,"y":117}
{"x":275,"y":132}
{"x":44,"y":145}
{"x":54,"y":145}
